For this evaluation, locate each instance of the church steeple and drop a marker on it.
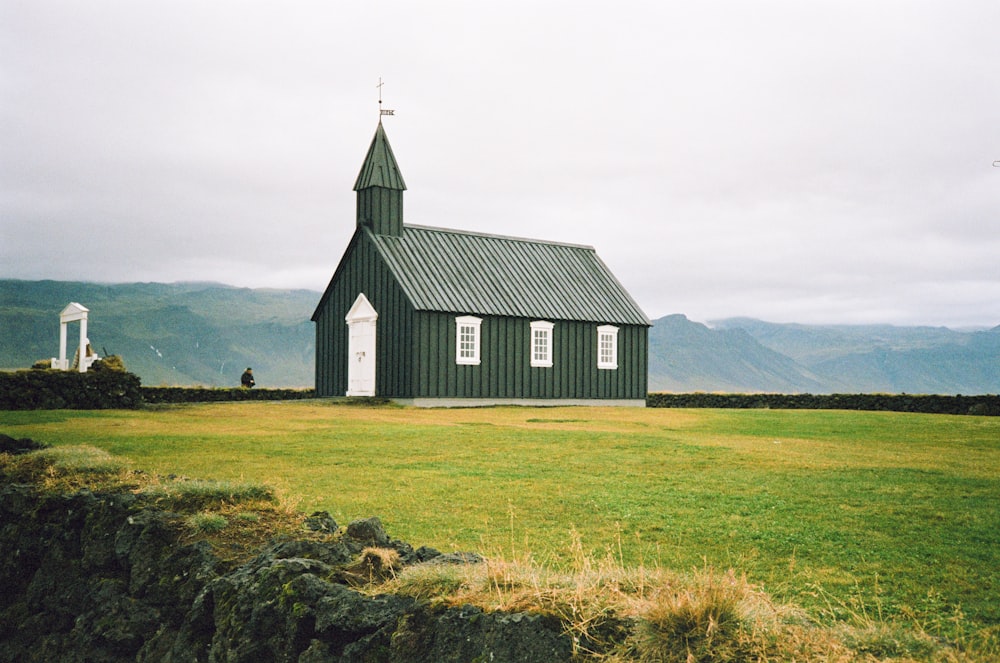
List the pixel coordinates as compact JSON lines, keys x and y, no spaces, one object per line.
{"x":380,"y":188}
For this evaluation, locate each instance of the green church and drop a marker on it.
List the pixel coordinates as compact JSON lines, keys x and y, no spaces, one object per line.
{"x":439,"y":317}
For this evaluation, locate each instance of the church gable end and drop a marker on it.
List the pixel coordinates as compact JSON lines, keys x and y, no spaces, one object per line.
{"x":362,"y":272}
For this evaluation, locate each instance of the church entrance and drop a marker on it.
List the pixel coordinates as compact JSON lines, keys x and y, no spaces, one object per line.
{"x":361,"y":348}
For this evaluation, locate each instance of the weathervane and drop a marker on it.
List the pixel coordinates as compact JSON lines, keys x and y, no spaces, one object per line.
{"x":382,"y":111}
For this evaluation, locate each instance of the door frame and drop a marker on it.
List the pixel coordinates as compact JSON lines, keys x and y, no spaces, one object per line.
{"x":361,"y":338}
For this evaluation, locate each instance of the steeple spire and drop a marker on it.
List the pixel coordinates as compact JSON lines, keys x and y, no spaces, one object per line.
{"x":380,"y":167}
{"x":380,"y":188}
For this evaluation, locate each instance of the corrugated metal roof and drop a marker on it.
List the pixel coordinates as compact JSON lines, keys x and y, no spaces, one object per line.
{"x":463,"y":272}
{"x":380,"y":167}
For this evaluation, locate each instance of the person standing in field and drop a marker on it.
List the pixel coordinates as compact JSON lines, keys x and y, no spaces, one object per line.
{"x":247,"y":378}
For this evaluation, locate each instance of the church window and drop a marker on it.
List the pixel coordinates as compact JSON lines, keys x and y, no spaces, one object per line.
{"x":607,"y":347}
{"x":467,"y":340}
{"x":541,"y":343}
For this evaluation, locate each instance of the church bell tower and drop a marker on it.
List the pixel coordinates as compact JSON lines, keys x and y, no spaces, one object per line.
{"x":380,"y":189}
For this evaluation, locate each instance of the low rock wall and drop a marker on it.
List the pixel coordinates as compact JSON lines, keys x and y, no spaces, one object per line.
{"x":106,"y":578}
{"x":983,"y":405}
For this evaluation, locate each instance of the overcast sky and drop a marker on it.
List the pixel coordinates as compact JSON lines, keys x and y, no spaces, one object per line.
{"x":790,"y":160}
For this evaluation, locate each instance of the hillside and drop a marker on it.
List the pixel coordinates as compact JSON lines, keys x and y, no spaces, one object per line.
{"x":745,"y":355}
{"x":176,"y":334}
{"x":206,"y":334}
{"x":688,"y":356}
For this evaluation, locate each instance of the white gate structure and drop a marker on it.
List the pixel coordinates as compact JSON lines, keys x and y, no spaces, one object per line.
{"x":74,"y":313}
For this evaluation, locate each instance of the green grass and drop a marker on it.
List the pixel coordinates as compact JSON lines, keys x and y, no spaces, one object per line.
{"x":201,"y":493}
{"x":853,"y":515}
{"x":84,"y":460}
{"x":209,"y":523}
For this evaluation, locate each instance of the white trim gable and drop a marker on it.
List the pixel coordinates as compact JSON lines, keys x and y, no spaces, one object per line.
{"x":73,"y":312}
{"x":361,"y":310}
{"x":541,"y":343}
{"x":468,"y":340}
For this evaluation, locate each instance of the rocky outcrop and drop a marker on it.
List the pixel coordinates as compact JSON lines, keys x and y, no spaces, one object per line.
{"x":107,"y":578}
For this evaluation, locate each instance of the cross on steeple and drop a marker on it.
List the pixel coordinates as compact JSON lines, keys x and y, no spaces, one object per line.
{"x":382,"y":112}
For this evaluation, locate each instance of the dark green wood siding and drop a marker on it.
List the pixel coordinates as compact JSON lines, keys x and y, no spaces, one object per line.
{"x":363,"y":271}
{"x":415,"y":349}
{"x":505,"y":369}
{"x":381,"y":210}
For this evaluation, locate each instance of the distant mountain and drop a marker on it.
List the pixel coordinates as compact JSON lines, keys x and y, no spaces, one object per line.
{"x":811,"y":344}
{"x":176,"y":334}
{"x":688,"y":356}
{"x":206,"y":334}
{"x":746,"y":355}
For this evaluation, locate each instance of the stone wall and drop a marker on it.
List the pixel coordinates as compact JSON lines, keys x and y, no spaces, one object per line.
{"x":108,"y":578}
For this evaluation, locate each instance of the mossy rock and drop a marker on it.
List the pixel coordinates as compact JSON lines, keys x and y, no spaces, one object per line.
{"x":109,"y":363}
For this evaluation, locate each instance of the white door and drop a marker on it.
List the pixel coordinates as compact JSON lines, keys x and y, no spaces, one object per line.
{"x":361,"y":348}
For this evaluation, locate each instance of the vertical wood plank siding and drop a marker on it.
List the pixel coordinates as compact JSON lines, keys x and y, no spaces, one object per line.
{"x":415,"y":350}
{"x":363,"y":271}
{"x":381,"y":209}
{"x":505,"y":369}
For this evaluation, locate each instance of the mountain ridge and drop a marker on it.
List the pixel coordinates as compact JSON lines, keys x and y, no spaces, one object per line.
{"x":839,"y":358}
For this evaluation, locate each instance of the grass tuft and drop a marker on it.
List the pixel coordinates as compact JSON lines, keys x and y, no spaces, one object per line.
{"x":248,"y":517}
{"x":700,"y":621}
{"x":81,"y":460}
{"x":374,"y":567}
{"x":207,"y":522}
{"x":883,"y":641}
{"x":202,"y":494}
{"x":433,"y":583}
{"x":69,"y":468}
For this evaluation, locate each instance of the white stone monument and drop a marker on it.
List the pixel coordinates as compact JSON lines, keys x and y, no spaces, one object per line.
{"x":74,"y":313}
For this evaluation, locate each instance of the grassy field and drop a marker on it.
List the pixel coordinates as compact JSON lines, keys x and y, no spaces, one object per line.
{"x":851,"y":515}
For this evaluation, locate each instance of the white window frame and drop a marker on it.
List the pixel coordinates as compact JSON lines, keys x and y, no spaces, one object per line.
{"x":607,"y":333}
{"x":465,"y":356}
{"x":544,"y":330}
